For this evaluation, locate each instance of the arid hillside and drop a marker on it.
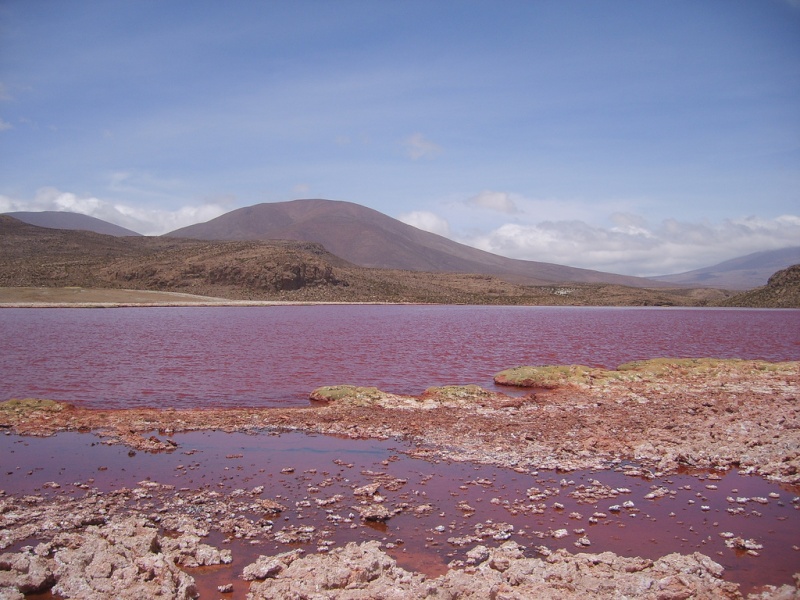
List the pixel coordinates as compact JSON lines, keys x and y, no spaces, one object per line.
{"x":782,"y":291}
{"x":740,"y":273}
{"x":40,"y":257}
{"x":368,"y":238}
{"x":33,"y":256}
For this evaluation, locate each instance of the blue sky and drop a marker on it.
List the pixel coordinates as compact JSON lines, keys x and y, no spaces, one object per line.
{"x":633,"y":137}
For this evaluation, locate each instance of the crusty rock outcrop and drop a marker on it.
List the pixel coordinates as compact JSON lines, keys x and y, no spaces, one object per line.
{"x":362,"y":571}
{"x":353,"y":571}
{"x":123,"y":559}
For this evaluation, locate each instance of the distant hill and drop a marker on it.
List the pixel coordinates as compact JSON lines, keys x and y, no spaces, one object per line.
{"x":782,"y":291}
{"x":742,"y":273}
{"x":69,"y":220}
{"x":368,"y":238}
{"x":32,"y":256}
{"x":39,"y":257}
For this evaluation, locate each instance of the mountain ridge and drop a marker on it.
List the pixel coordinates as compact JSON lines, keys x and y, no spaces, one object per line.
{"x":739,"y":273}
{"x":781,"y":291}
{"x":55,"y":219}
{"x":368,"y":238}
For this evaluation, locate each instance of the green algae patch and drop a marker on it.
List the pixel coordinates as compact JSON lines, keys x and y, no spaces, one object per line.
{"x":457,"y":393}
{"x":657,"y":367}
{"x":448,"y":396}
{"x":549,"y":377}
{"x":663,"y":366}
{"x":552,"y":377}
{"x":791,"y":365}
{"x":24,"y":405}
{"x":355,"y":395}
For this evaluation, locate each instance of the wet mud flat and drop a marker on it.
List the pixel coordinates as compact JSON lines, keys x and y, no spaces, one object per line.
{"x":244,"y":502}
{"x":265,"y":494}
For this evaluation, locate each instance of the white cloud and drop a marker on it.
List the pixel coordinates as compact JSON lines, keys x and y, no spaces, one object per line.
{"x":633,"y":247}
{"x":553,"y":208}
{"x":418,"y":147}
{"x":301,"y":189}
{"x":4,"y":125}
{"x":499,"y":201}
{"x":146,"y":220}
{"x":143,"y":184}
{"x":427,"y":221}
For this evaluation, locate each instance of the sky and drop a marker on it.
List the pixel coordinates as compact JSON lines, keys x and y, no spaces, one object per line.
{"x":640,"y":138}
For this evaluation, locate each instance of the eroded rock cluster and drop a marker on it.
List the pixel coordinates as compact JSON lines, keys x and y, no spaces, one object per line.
{"x":361,"y":571}
{"x":125,"y":559}
{"x":128,"y":559}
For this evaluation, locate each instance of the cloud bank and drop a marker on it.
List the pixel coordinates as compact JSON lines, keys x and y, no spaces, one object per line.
{"x":625,"y":243}
{"x":634,"y":247}
{"x":427,"y":221}
{"x":145,"y":220}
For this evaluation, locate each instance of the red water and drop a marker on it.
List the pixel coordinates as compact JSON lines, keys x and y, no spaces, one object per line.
{"x":210,"y":357}
{"x":273,"y":356}
{"x":227,"y":462}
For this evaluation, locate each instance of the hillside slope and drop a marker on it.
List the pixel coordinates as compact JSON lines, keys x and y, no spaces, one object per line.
{"x":33,"y":256}
{"x":368,"y":238}
{"x":70,"y":220}
{"x":740,"y":273}
{"x":782,"y":291}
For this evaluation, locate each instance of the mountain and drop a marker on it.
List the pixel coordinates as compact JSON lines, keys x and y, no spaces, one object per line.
{"x":742,"y":273}
{"x":368,"y":238}
{"x":68,"y":220}
{"x":32,"y":256}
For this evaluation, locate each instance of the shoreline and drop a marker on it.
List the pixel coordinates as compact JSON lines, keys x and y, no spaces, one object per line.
{"x":80,"y":297}
{"x":664,"y":413}
{"x":77,"y":297}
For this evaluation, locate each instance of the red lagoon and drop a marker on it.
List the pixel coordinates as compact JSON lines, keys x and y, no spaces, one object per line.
{"x":205,"y":357}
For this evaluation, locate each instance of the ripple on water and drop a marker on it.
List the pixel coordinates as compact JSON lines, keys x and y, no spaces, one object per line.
{"x":199,"y":357}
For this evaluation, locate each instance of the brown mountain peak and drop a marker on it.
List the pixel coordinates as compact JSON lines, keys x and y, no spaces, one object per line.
{"x":369,"y":238}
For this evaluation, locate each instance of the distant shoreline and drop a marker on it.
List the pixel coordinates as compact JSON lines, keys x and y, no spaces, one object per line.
{"x":78,"y":297}
{"x":83,"y":297}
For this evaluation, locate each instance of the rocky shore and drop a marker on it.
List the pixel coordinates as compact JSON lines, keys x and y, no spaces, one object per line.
{"x":128,"y":559}
{"x":364,"y":571}
{"x":661,"y":415}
